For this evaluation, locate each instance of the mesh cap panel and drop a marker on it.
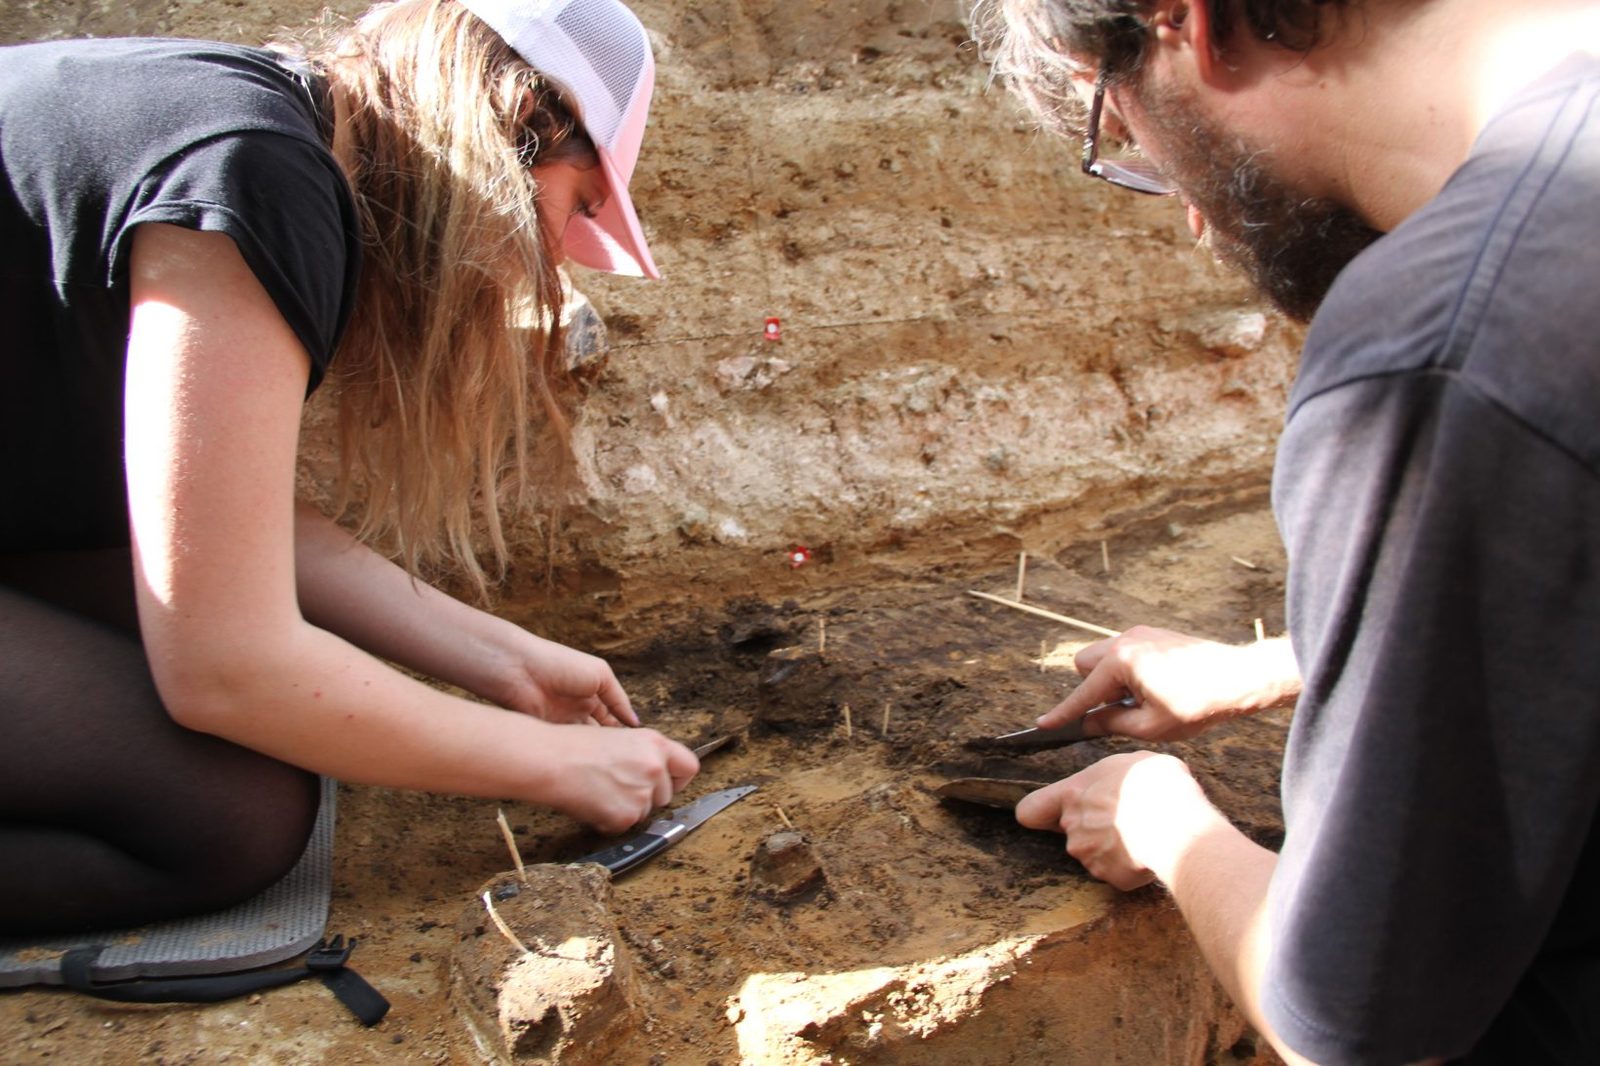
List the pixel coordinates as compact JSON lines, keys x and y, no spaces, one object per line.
{"x":592,"y":28}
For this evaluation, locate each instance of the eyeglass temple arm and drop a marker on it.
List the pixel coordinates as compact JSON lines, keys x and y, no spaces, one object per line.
{"x":1091,"y":132}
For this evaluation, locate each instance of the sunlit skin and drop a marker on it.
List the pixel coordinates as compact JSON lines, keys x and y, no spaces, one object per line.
{"x":566,"y":190}
{"x":1373,"y":122}
{"x":1336,"y":124}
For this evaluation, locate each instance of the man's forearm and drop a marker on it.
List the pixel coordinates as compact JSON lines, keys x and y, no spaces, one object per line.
{"x":1278,"y":670}
{"x":1219,"y":882}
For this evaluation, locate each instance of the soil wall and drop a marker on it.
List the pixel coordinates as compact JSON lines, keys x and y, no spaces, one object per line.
{"x":976,"y":341}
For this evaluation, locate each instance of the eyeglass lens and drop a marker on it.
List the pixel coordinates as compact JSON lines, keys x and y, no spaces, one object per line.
{"x":1135,"y":174}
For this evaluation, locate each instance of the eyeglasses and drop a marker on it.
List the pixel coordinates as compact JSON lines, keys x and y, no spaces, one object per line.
{"x":1136,"y":174}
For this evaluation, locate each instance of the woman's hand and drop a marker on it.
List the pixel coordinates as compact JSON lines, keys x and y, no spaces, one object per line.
{"x":612,"y":779}
{"x":350,"y":590}
{"x":561,"y":684}
{"x":1182,"y":685}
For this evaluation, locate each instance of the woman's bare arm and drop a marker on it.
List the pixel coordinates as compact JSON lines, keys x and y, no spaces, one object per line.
{"x":215,"y":383}
{"x":348,"y":589}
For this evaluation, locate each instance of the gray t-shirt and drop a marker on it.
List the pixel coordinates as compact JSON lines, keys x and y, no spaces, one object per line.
{"x":1438,"y":490}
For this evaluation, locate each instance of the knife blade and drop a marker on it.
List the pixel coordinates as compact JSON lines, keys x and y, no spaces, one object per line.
{"x":1036,"y":739}
{"x":702,"y":750}
{"x":664,"y":832}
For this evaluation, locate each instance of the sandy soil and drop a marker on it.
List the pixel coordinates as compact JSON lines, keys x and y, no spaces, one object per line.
{"x":908,"y":877}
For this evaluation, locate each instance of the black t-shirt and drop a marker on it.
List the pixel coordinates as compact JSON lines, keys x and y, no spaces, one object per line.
{"x":1438,"y":488}
{"x":97,"y":137}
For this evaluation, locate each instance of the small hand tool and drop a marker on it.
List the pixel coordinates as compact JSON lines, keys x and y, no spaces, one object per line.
{"x":702,"y":750}
{"x":988,"y":791}
{"x":664,"y":832}
{"x":1036,"y":739}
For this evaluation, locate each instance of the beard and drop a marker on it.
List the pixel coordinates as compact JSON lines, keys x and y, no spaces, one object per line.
{"x":1292,"y":247}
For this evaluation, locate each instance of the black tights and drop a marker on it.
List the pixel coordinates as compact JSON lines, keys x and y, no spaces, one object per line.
{"x":111,"y":814}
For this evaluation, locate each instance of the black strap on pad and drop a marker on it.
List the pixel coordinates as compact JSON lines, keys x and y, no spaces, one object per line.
{"x":327,"y":961}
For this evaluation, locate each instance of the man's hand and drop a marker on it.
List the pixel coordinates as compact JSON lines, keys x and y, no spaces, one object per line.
{"x":1128,"y":818}
{"x":1183,"y":685}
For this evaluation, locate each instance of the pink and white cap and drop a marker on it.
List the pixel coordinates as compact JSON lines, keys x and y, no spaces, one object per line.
{"x":598,"y":54}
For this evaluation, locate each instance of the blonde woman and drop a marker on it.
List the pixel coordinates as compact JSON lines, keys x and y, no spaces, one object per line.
{"x":193,"y":236}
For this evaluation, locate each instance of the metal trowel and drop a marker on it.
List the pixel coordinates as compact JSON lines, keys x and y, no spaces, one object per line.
{"x":1024,"y":741}
{"x":988,"y":791}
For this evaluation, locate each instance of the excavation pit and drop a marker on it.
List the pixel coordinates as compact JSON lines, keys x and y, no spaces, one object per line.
{"x":913,"y":929}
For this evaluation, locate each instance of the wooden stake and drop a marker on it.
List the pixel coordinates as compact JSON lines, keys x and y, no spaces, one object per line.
{"x":1261,"y":633}
{"x":511,"y":844}
{"x":822,"y":637}
{"x":784,"y":818}
{"x":887,"y":706}
{"x":500,"y":924}
{"x":848,"y":732}
{"x":1042,"y":613}
{"x":1105,"y":558}
{"x":1022,"y":573}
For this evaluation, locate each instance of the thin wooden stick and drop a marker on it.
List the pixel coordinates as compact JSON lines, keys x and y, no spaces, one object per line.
{"x":1042,"y":613}
{"x":1246,"y":563}
{"x":1022,"y":573}
{"x":511,"y":844}
{"x":1043,"y":651}
{"x":848,"y":731}
{"x":822,"y":637}
{"x":1105,"y":558}
{"x":887,"y":707}
{"x":499,"y":923}
{"x":784,"y":818}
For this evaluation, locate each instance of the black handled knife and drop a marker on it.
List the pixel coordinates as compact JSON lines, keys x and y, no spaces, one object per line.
{"x":662,"y":833}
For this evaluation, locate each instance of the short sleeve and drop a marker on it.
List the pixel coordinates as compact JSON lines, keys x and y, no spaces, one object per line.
{"x":1443,"y":770}
{"x":285,"y":204}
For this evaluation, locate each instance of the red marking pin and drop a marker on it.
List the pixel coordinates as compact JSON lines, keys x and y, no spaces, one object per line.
{"x":798,"y":556}
{"x":773,"y":330}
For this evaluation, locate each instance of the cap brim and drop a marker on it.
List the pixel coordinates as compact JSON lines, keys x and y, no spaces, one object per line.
{"x":612,"y":240}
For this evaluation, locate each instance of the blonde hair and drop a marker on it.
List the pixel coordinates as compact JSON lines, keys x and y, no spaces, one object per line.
{"x":454,"y":349}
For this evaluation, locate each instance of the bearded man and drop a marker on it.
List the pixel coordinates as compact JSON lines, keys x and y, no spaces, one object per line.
{"x":1417,"y":180}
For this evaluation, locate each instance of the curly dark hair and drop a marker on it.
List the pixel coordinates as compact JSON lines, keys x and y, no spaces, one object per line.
{"x":1039,"y":46}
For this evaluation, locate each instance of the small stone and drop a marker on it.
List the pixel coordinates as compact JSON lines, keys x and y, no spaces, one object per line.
{"x":786,"y":868}
{"x":1229,"y":334}
{"x":586,"y":344}
{"x":750,"y":373}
